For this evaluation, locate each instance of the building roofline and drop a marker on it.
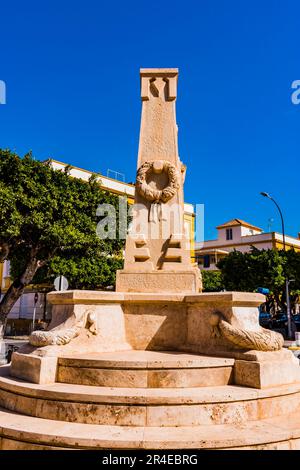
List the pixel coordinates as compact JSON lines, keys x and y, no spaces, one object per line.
{"x":236,"y":223}
{"x":286,"y":236}
{"x":88,"y":171}
{"x":248,"y":243}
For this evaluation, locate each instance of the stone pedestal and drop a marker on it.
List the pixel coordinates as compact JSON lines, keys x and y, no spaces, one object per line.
{"x":159,"y":281}
{"x":156,"y":322}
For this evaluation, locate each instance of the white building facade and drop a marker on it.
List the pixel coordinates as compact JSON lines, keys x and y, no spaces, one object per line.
{"x":241,"y":236}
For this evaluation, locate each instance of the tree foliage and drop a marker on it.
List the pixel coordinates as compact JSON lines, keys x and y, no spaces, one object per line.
{"x":48,"y":226}
{"x":262,"y":268}
{"x":212,"y":281}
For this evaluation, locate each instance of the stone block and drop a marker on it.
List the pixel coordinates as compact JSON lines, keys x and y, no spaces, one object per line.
{"x":155,"y":325}
{"x":240,"y":309}
{"x":266,"y":374}
{"x":158,"y":281}
{"x":40,"y":370}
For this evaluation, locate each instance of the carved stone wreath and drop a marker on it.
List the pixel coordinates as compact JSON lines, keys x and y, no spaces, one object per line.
{"x":157,"y":195}
{"x":261,"y":340}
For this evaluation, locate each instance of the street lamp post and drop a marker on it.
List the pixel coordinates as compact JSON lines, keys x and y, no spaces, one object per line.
{"x":36,"y":298}
{"x":287,"y":290}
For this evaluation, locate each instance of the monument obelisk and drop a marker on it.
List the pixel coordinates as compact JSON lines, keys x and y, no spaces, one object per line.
{"x":157,"y":254}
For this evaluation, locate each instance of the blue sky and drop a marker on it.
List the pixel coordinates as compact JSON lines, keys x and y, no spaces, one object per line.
{"x":72,"y":76}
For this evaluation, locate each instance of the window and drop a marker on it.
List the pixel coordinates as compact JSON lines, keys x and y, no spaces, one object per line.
{"x":229,"y":234}
{"x":206,"y":261}
{"x":199,"y":260}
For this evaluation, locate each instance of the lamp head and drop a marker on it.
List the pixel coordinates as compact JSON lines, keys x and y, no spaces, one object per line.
{"x":265,"y":195}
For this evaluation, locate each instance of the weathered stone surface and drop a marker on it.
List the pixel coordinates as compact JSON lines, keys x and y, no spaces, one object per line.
{"x":149,"y":321}
{"x":238,"y":308}
{"x":158,"y":281}
{"x":34,"y":368}
{"x":27,"y":432}
{"x":138,"y":406}
{"x":155,"y":322}
{"x":139,"y":359}
{"x":155,"y":326}
{"x":157,"y":254}
{"x":267,"y":373}
{"x":84,"y":297}
{"x":108,"y":332}
{"x":146,"y":378}
{"x":154,"y":370}
{"x":181,"y":378}
{"x":152,"y":417}
{"x":103,"y":377}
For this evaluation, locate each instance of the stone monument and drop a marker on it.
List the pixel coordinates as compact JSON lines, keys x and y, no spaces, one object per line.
{"x":157,"y":364}
{"x":157,"y":256}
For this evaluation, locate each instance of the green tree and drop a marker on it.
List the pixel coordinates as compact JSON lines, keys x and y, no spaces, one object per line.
{"x":262,"y":268}
{"x":48,"y":226}
{"x":212,"y":281}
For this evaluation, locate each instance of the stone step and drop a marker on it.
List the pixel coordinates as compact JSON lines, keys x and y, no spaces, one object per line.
{"x":24,"y":432}
{"x":146,"y":406}
{"x":143,"y":369}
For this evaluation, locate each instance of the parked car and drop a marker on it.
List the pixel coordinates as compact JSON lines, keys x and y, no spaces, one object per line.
{"x":280,"y":320}
{"x":265,"y":320}
{"x":297,"y":321}
{"x":280,"y":324}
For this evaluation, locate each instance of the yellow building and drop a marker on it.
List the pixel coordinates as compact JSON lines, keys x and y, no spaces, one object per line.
{"x":4,"y":276}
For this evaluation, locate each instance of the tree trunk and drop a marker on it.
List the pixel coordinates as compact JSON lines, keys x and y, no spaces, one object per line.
{"x":4,"y":251}
{"x":2,"y":326}
{"x":17,"y":288}
{"x":10,"y":298}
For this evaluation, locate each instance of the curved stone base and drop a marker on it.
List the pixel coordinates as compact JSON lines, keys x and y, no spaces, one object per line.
{"x":27,"y":433}
{"x":134,"y":406}
{"x":148,"y":400}
{"x":146,"y":369}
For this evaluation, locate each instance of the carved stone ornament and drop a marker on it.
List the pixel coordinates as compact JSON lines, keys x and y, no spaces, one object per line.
{"x":263,"y":340}
{"x":157,"y":195}
{"x":60,"y":336}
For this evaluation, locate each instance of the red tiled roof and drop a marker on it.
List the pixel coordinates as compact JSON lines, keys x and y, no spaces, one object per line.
{"x":238,"y":222}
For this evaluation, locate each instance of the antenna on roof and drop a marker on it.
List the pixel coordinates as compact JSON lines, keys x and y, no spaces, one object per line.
{"x":115,"y":175}
{"x":270,"y":223}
